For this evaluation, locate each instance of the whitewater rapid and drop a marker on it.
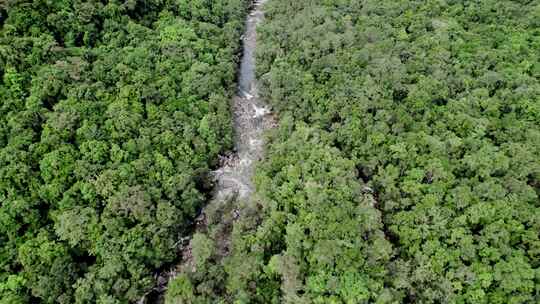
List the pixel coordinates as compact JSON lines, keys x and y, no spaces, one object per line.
{"x":251,"y":117}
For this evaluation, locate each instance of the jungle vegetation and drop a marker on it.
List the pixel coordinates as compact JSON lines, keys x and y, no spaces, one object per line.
{"x":111,"y":114}
{"x":406,"y":166}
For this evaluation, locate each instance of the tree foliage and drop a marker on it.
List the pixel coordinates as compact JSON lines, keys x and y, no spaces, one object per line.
{"x":406,"y":167}
{"x":112,"y":113}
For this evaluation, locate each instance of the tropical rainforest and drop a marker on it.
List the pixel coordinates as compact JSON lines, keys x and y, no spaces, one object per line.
{"x":405,"y":167}
{"x":111,"y":113}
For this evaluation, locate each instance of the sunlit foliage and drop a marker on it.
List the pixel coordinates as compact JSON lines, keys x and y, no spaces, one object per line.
{"x":406,"y":169}
{"x":111,"y":114}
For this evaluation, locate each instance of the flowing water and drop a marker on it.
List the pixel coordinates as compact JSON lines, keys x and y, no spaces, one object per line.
{"x":251,"y":117}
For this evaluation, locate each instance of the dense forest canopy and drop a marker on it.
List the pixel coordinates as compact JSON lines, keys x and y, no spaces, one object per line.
{"x":406,"y":168}
{"x":111,"y":114}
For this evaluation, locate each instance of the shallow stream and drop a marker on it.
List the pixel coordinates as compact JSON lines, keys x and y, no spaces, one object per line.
{"x":234,"y":178}
{"x":251,"y":118}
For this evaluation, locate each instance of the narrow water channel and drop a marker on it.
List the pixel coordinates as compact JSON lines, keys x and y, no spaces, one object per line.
{"x":251,"y":118}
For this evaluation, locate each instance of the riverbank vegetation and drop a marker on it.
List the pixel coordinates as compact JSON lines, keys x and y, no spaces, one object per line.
{"x":111,"y":115}
{"x":405,"y":169}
